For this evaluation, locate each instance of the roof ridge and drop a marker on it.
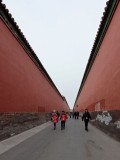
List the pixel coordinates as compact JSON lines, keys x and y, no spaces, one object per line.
{"x":102,"y":18}
{"x":15,"y":24}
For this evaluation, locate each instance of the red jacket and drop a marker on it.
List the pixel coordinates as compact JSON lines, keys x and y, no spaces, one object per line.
{"x":63,"y":117}
{"x":54,"y":118}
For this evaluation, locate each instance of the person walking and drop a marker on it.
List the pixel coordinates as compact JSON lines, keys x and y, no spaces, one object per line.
{"x":63,"y":118}
{"x":70,"y":114}
{"x":86,"y":117}
{"x":54,"y":118}
{"x":77,"y":115}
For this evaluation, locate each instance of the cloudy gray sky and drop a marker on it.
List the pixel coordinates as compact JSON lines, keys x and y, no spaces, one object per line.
{"x":62,"y":33}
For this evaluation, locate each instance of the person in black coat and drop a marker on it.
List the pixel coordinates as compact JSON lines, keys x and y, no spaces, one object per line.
{"x":86,"y":117}
{"x":77,"y":115}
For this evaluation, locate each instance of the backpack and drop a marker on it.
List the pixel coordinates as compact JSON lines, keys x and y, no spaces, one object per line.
{"x":63,"y":117}
{"x":54,"y":118}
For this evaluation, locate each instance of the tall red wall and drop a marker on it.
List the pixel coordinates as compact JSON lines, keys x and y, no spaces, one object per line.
{"x":23,"y":87}
{"x":102,"y":87}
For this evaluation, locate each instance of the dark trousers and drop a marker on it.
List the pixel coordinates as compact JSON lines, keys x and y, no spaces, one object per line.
{"x":54,"y":125}
{"x":62,"y":124}
{"x":86,"y":125}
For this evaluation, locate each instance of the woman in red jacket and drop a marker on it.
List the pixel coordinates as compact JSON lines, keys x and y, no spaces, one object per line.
{"x":54,"y":118}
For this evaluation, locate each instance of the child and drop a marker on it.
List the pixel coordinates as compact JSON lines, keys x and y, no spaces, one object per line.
{"x":63,"y":118}
{"x":54,"y":118}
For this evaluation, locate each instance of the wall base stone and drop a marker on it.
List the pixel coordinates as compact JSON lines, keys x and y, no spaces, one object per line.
{"x":15,"y":123}
{"x":108,"y":122}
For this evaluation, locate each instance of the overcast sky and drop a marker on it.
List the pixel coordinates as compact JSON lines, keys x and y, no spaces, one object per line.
{"x":62,"y":33}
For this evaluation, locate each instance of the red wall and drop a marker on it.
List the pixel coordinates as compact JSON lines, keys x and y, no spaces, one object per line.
{"x":23,"y":88}
{"x":102,"y":87}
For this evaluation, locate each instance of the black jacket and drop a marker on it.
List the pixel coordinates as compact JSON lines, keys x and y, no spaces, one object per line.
{"x":86,"y":116}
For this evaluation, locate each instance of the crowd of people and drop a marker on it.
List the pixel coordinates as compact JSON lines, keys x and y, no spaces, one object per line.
{"x":56,"y":116}
{"x":74,"y":115}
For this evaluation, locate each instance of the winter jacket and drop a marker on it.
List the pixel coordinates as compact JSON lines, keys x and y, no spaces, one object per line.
{"x":86,"y":116}
{"x":54,"y":118}
{"x":63,"y":117}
